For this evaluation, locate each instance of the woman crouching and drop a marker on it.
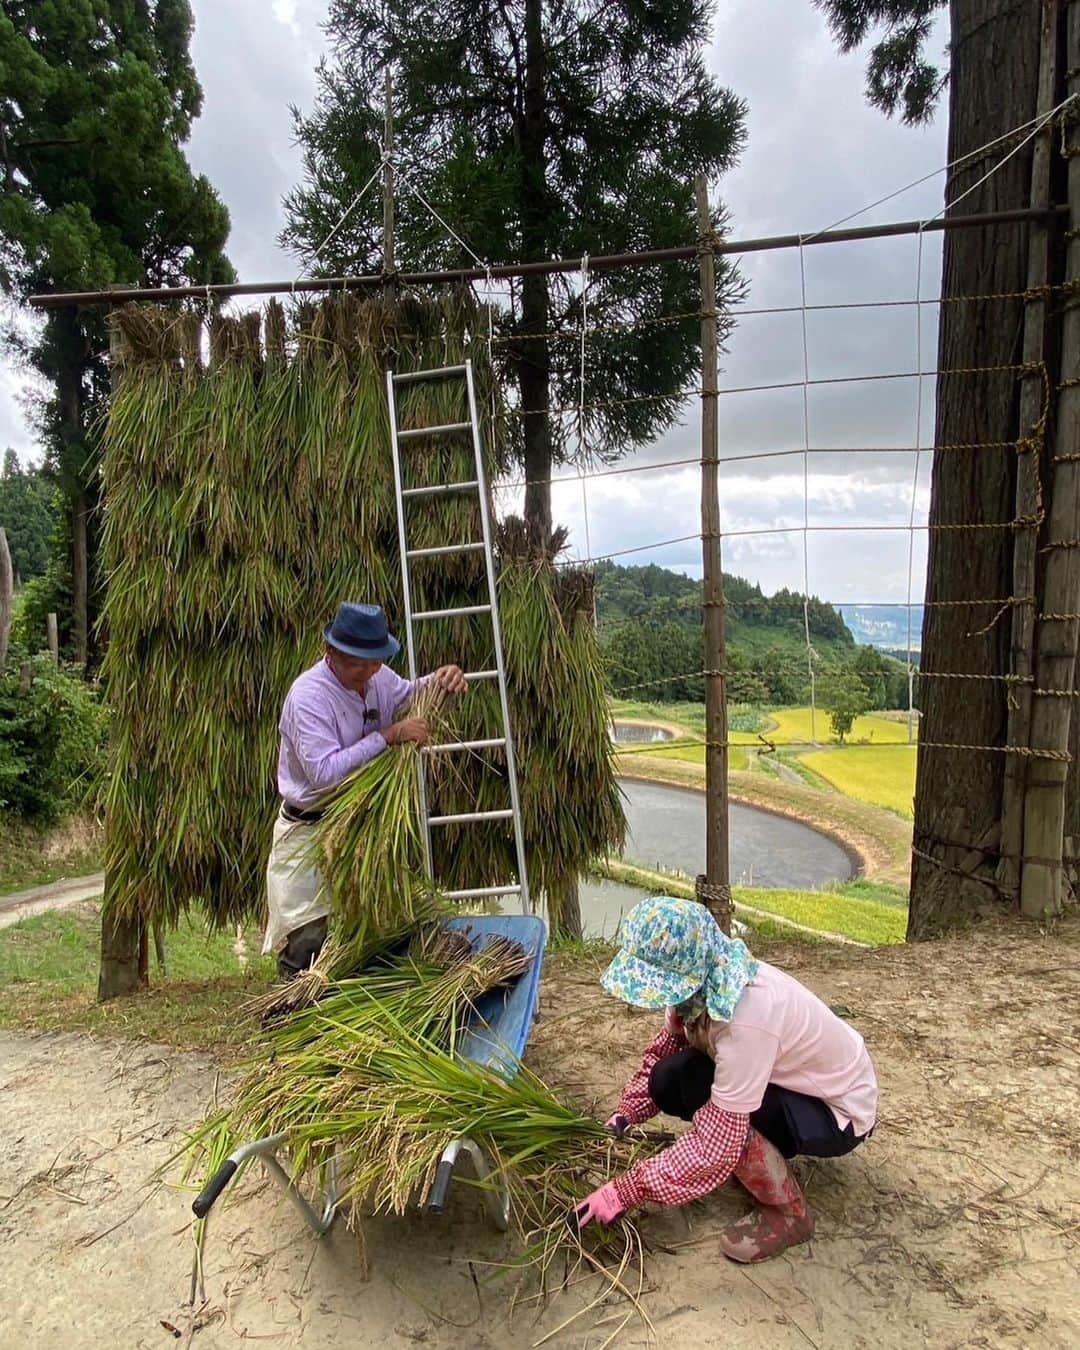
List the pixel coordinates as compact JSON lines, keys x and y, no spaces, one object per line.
{"x":760,"y":1065}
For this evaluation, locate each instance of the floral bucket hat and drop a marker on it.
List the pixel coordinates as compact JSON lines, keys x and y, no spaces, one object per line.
{"x":671,"y":950}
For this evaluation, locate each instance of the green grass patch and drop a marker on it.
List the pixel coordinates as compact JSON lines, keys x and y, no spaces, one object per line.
{"x":691,"y":751}
{"x":795,"y":725}
{"x":49,"y":971}
{"x":884,"y":777}
{"x":852,"y":910}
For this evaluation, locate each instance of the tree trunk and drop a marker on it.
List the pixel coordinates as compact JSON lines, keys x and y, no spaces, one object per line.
{"x":7,"y":589}
{"x":80,"y":513}
{"x":70,"y":358}
{"x":993,"y":88}
{"x":125,"y":965}
{"x":534,"y":363}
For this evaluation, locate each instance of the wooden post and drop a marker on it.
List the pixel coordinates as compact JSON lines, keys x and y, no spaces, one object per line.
{"x":53,"y":638}
{"x":1042,"y":875}
{"x":124,"y":954}
{"x":1029,"y":468}
{"x":713,"y":888}
{"x":26,"y":677}
{"x":388,"y":178}
{"x":7,"y":592}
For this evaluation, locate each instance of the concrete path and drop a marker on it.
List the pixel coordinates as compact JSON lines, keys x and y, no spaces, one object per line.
{"x":57,"y":895}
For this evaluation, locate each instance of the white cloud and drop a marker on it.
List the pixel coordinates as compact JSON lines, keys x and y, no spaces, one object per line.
{"x":816,"y":152}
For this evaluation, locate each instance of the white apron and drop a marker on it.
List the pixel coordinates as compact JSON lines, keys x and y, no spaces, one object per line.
{"x":293,"y":884}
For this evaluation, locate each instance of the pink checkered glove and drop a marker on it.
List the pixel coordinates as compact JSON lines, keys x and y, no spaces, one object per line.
{"x":603,"y":1205}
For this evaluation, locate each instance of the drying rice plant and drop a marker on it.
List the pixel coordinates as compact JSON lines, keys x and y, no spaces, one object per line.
{"x":249,"y":492}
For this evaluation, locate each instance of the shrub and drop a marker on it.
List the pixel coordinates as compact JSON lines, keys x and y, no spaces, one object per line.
{"x":52,"y":742}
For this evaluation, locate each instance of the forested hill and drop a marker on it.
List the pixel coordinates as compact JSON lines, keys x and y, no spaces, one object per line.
{"x":650,"y":625}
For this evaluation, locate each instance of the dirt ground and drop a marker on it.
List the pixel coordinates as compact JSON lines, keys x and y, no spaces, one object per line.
{"x":957,"y":1224}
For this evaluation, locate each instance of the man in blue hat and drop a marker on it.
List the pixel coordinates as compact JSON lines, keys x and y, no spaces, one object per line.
{"x":337,"y":716}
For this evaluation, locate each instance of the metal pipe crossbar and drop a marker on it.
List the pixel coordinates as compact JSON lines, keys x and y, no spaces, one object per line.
{"x":646,"y":258}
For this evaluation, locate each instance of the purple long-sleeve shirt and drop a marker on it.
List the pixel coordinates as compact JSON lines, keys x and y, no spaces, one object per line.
{"x":327,"y":731}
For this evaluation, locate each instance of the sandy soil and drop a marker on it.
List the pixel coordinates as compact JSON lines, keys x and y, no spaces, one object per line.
{"x":958,"y":1224}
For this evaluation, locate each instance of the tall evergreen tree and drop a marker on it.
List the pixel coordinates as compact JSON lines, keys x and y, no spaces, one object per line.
{"x":538,"y":128}
{"x":97,"y":98}
{"x":27,"y":514}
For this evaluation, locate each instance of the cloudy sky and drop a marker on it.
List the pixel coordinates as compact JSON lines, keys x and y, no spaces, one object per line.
{"x":815,"y":154}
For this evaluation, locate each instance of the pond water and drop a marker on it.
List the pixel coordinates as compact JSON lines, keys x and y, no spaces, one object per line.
{"x":667,"y":829}
{"x":639,"y":733}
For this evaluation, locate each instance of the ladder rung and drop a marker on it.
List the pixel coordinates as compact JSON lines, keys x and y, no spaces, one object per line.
{"x":470,"y":815}
{"x":444,"y":549}
{"x":464,"y":486}
{"x":481,"y":675}
{"x":415,"y":433}
{"x":448,"y":613}
{"x":494,"y":743}
{"x":436,"y":373}
{"x":479,"y":891}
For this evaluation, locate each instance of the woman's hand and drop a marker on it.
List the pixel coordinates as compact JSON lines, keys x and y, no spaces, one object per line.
{"x":603,"y":1205}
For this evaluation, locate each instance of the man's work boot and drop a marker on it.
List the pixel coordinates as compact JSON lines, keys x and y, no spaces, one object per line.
{"x":781,"y":1219}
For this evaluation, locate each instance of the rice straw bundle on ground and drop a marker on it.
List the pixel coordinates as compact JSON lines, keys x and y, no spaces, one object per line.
{"x":244,"y":498}
{"x":368,"y":1076}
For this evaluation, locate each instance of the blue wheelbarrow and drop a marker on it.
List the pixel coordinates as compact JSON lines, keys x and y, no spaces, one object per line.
{"x":495,"y":1038}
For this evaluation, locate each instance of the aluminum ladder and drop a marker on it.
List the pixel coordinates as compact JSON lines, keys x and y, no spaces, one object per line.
{"x":477,"y":485}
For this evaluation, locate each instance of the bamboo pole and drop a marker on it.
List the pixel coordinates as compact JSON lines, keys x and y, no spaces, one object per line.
{"x":1042,"y":873}
{"x":1029,"y":468}
{"x":714,"y":887}
{"x":7,"y":591}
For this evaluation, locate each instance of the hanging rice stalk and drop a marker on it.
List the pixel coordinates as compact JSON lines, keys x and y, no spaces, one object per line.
{"x":245,"y":497}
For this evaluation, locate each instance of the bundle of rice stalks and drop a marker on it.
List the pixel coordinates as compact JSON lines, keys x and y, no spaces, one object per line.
{"x":368,"y":1076}
{"x":369,"y":845}
{"x":244,"y":498}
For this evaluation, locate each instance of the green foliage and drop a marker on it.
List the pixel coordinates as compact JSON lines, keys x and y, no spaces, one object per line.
{"x":96,"y":100}
{"x":538,"y":130}
{"x":28,"y":516}
{"x":52,"y":741}
{"x":843,"y":696}
{"x":898,"y":75}
{"x":651,"y":630}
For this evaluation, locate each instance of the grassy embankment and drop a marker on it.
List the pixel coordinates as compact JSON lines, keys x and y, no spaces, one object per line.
{"x":842,"y":793}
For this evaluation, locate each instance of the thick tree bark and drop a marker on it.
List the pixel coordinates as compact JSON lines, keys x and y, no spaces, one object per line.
{"x":993,"y":88}
{"x":534,"y":369}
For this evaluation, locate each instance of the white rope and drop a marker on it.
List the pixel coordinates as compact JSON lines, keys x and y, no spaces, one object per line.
{"x":581,"y":402}
{"x":314,"y":257}
{"x":1046,"y":117}
{"x":403,"y":177}
{"x":914,"y":481}
{"x":1041,"y":119}
{"x":806,"y":493}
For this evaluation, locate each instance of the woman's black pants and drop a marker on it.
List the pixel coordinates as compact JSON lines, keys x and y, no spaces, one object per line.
{"x":793,"y":1122}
